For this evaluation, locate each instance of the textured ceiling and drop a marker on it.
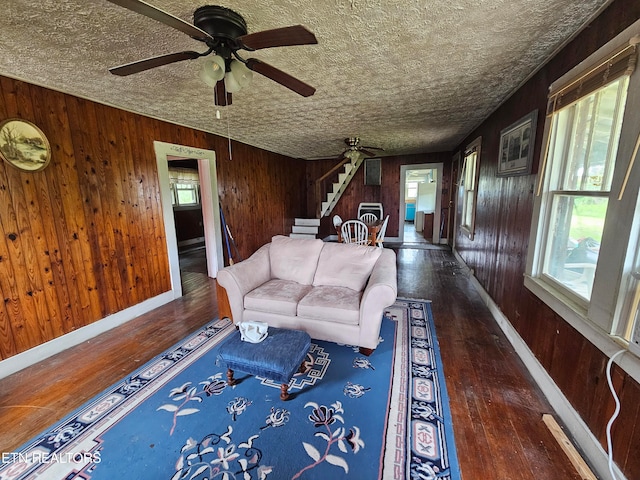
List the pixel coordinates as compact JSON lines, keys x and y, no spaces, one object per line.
{"x":410,"y":76}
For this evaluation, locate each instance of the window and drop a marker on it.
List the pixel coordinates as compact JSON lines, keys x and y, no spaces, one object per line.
{"x":412,"y":190}
{"x":581,"y":160}
{"x":186,"y":193}
{"x":584,"y":236}
{"x":185,"y":187}
{"x":468,"y":189}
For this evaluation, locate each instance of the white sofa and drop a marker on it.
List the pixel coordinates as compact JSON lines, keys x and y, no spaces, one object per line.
{"x":333,"y":291}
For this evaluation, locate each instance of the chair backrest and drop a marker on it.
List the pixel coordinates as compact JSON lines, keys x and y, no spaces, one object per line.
{"x":368,"y":218}
{"x":383,"y":230}
{"x":355,"y":231}
{"x":337,"y":221}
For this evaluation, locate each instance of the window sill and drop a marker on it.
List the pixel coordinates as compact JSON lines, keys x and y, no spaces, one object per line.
{"x":195,"y":206}
{"x":576,"y":316}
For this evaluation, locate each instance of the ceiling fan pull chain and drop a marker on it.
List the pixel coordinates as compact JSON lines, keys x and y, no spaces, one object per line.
{"x":215,"y":103}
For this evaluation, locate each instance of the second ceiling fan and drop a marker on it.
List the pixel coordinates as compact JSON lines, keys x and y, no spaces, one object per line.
{"x":224,"y":32}
{"x":353,"y":145}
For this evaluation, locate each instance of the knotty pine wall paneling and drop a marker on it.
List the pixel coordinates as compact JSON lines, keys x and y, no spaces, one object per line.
{"x":85,"y":237}
{"x":499,"y":249}
{"x":265,"y":193}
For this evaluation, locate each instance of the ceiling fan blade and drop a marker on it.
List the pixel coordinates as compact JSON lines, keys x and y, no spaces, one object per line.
{"x":367,"y":152}
{"x":153,"y":62}
{"x":282,"y":78}
{"x":155,"y":13}
{"x":374,"y":148}
{"x":278,"y":37}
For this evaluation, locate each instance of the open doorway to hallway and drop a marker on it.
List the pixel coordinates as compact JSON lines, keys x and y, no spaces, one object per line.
{"x":184,"y":182}
{"x":420,"y":199}
{"x":207,"y":194}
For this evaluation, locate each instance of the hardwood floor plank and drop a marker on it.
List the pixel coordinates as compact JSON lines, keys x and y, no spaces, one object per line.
{"x":40,"y":395}
{"x":496,"y":409}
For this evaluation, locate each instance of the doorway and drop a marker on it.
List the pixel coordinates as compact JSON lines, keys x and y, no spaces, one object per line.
{"x":420,"y":203}
{"x":208,"y":185}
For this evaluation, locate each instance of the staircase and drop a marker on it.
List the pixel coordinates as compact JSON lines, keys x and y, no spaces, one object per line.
{"x":308,"y":227}
{"x":305,"y":228}
{"x":338,"y":188}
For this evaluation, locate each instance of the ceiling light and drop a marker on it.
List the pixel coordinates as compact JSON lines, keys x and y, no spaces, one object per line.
{"x":241,"y":73}
{"x":212,"y":70}
{"x":238,"y":76}
{"x":231,"y":85}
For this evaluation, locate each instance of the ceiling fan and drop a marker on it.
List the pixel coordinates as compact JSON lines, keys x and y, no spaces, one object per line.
{"x":353,"y":145}
{"x":224,"y":32}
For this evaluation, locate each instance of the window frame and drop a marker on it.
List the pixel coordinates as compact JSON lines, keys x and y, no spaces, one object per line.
{"x":179,"y":178}
{"x":605,"y":318}
{"x":190,"y":187}
{"x":473,"y":149}
{"x":556,"y":186}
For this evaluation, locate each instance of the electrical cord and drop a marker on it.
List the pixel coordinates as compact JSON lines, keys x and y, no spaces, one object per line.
{"x":615,"y":413}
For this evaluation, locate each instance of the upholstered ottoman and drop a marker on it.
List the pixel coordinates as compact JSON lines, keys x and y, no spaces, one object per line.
{"x":278,"y":357}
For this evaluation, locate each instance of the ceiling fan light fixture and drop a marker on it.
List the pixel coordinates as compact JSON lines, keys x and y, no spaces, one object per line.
{"x":212,"y":70}
{"x":224,"y":32}
{"x":231,"y":85}
{"x":241,"y":73}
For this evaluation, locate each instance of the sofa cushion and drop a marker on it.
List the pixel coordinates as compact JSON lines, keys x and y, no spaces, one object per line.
{"x":294,"y":259}
{"x":345,"y":265}
{"x":333,"y":304}
{"x":276,"y":296}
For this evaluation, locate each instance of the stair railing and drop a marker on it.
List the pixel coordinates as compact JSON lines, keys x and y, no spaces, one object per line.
{"x":321,"y":185}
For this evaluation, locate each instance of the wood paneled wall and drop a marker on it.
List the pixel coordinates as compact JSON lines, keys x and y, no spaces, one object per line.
{"x":85,"y":238}
{"x":499,"y":250}
{"x":388,"y":193}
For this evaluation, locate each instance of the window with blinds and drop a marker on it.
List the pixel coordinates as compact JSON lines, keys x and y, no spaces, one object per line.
{"x":584,"y":227}
{"x":185,"y":187}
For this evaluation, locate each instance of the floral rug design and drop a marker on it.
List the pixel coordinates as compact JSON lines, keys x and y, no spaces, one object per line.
{"x":349,"y":416}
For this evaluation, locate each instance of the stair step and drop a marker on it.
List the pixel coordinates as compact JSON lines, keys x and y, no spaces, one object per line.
{"x":307,"y":221}
{"x":304,"y":229}
{"x":301,"y":235}
{"x":350,"y":169}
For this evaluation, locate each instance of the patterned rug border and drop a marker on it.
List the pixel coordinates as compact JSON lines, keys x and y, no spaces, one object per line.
{"x":63,"y":434}
{"x":419,"y":442}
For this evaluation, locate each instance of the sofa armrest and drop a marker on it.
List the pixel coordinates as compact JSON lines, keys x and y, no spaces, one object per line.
{"x":380,"y":292}
{"x":240,"y":278}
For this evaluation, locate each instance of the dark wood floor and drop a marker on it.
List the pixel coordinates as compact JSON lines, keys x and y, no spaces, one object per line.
{"x":496,"y":409}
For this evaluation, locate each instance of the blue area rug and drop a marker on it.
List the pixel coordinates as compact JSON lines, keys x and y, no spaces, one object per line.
{"x":349,"y":416}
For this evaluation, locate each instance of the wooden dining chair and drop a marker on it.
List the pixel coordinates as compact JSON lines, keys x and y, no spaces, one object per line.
{"x":355,"y":231}
{"x":368,"y":218}
{"x":337,"y":224}
{"x":383,"y":230}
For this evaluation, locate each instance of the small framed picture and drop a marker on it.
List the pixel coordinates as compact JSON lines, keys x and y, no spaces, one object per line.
{"x":23,"y":145}
{"x":516,"y":146}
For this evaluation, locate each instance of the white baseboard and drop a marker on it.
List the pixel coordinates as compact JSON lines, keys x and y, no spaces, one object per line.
{"x":596,"y":455}
{"x":41,"y":352}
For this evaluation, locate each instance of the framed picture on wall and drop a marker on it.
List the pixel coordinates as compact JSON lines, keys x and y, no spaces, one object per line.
{"x":23,"y":145}
{"x":516,"y":146}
